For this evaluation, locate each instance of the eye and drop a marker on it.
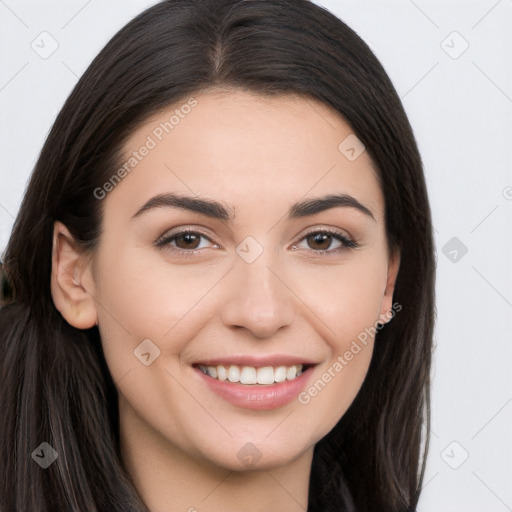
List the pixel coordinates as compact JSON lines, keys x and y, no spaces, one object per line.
{"x":187,"y":242}
{"x":321,"y":241}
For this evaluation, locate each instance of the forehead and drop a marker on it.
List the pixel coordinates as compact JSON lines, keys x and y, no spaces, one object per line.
{"x":244,"y":148}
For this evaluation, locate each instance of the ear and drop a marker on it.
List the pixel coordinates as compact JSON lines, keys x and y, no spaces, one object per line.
{"x":71,"y":280}
{"x":386,"y":309}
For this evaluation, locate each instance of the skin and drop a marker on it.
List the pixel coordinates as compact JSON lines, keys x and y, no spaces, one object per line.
{"x":257,"y":156}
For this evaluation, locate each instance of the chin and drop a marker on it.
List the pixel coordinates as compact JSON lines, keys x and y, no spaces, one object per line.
{"x":250,"y":454}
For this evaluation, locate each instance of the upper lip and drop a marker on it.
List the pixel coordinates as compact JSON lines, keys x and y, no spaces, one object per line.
{"x":256,"y":360}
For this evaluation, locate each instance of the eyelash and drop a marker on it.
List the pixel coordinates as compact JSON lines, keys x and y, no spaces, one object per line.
{"x":347,"y":243}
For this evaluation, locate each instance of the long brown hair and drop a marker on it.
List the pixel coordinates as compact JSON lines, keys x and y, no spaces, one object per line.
{"x":56,"y":387}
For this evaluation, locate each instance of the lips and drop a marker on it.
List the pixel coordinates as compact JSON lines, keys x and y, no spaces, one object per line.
{"x":254,"y":382}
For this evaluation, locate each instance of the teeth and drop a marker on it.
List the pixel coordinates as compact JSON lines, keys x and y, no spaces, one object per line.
{"x":250,"y":375}
{"x":234,"y":374}
{"x":280,"y":374}
{"x":291,"y":372}
{"x":222,"y":373}
{"x":266,"y":375}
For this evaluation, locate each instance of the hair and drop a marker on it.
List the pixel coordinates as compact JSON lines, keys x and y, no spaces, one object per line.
{"x":56,"y":387}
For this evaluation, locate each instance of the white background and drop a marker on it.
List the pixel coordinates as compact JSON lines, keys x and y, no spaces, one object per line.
{"x":460,"y":106}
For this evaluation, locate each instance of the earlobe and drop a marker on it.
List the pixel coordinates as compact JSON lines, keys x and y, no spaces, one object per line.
{"x":70,"y":271}
{"x":386,"y":312}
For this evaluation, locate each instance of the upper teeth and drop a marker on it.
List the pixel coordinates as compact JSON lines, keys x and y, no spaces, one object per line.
{"x":252,"y":375}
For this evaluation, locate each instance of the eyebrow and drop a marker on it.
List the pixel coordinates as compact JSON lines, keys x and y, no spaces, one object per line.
{"x":216,"y":210}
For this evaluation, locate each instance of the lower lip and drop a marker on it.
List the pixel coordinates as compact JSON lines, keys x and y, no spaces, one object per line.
{"x":258,"y":397}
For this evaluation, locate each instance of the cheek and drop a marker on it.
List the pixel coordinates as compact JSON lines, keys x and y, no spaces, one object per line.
{"x":141,"y":297}
{"x":347,"y":301}
{"x":346,"y":298}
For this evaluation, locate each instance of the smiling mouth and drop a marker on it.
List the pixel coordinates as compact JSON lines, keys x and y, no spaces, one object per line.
{"x":251,"y":375}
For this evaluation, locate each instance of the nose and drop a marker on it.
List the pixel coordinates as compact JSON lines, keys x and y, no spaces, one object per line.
{"x":259,"y":299}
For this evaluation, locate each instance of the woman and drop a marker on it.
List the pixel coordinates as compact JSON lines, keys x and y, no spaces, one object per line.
{"x":223,"y":276}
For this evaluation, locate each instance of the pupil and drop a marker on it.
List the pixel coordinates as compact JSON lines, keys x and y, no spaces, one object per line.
{"x":320,"y":238}
{"x":189,"y":238}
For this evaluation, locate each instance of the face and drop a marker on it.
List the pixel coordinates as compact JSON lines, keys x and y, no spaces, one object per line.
{"x":242,"y":258}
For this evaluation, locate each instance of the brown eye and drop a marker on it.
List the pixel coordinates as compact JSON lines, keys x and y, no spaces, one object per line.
{"x":188,"y":240}
{"x":319,"y":241}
